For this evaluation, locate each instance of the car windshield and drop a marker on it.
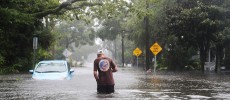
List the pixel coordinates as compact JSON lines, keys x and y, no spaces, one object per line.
{"x":51,"y":67}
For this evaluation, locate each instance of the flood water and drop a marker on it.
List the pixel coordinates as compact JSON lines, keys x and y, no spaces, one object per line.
{"x":130,"y":84}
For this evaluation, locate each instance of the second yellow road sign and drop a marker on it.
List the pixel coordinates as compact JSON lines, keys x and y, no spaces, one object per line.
{"x":155,"y":48}
{"x":137,"y":52}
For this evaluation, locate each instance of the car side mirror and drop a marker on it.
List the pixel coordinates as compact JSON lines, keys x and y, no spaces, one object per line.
{"x":71,"y":71}
{"x":31,"y":71}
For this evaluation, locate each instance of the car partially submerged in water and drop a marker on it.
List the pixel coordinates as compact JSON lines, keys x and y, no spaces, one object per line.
{"x":52,"y":70}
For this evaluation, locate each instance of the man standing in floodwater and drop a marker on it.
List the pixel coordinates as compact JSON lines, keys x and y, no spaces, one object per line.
{"x":103,"y":73}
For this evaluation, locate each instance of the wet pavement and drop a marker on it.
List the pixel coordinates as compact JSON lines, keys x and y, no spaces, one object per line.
{"x":131,"y":84}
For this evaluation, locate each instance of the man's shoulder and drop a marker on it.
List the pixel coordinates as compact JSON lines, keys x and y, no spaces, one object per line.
{"x":102,"y":58}
{"x":106,"y":58}
{"x":97,"y":59}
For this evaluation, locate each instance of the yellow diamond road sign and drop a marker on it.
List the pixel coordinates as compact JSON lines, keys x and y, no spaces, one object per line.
{"x":137,"y":52}
{"x":155,"y":48}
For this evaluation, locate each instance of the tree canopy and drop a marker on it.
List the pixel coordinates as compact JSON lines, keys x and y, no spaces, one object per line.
{"x":23,"y":20}
{"x":181,"y":27}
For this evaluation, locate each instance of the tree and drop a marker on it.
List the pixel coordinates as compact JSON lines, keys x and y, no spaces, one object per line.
{"x":140,"y":21}
{"x":199,"y":22}
{"x":22,"y":20}
{"x":111,"y":25}
{"x":72,"y":34}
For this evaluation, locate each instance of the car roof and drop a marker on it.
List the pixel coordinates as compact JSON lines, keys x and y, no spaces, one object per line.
{"x":54,"y":61}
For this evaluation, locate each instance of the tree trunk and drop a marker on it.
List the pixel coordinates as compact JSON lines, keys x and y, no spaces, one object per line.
{"x":202,"y":58}
{"x":115,"y":50}
{"x":217,"y":66}
{"x":122,"y":48}
{"x":204,"y":47}
{"x":219,"y":50}
{"x":147,"y":50}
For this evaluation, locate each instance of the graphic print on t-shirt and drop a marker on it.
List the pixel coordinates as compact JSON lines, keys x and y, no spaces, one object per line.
{"x":104,"y":65}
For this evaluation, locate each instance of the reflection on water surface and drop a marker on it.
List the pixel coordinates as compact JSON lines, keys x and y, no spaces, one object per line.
{"x":130,"y":84}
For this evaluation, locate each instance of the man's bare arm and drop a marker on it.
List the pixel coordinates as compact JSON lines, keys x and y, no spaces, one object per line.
{"x":95,"y":75}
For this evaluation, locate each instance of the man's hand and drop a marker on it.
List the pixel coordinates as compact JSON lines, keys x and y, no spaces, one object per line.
{"x":95,"y":75}
{"x":115,"y":69}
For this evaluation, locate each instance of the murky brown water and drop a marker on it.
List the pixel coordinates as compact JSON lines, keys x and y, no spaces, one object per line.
{"x":130,"y":84}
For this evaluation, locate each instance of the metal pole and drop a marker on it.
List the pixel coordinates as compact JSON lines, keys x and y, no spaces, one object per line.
{"x":147,"y":38}
{"x":155,"y":64}
{"x":35,"y":46}
{"x":34,"y":58}
{"x":115,"y":49}
{"x":137,"y":61}
{"x":122,"y":47}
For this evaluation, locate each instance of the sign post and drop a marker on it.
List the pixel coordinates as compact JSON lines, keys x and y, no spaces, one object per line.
{"x":35,"y":46}
{"x":155,"y":48}
{"x":137,"y":52}
{"x":67,"y":53}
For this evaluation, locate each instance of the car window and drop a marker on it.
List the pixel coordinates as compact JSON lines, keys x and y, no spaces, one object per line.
{"x":51,"y":67}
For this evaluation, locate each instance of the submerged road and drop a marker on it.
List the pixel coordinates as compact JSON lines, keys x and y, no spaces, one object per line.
{"x":131,"y":84}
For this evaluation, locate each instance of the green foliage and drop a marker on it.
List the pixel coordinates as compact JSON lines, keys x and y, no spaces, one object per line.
{"x":7,"y":70}
{"x":136,"y":20}
{"x":21,"y":65}
{"x":227,"y":59}
{"x":196,"y":24}
{"x":110,"y":16}
{"x":185,"y":24}
{"x":17,"y":29}
{"x":43,"y":55}
{"x":176,"y":57}
{"x":110,"y":29}
{"x":2,"y":60}
{"x":21,"y":20}
{"x":128,"y":52}
{"x":76,"y":32}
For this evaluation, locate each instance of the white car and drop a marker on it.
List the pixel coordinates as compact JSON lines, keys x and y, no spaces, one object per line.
{"x":52,"y":70}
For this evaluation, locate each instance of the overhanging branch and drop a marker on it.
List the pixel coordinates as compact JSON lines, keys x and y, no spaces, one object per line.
{"x":66,"y":6}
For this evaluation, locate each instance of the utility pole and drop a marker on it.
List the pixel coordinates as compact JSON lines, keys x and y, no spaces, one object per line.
{"x":115,"y":49}
{"x":122,"y":46}
{"x":147,"y":38}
